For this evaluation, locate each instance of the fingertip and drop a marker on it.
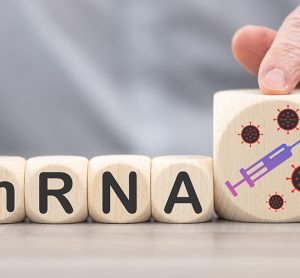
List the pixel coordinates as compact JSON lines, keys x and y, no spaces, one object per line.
{"x":250,"y":44}
{"x":267,"y":91}
{"x":273,"y":81}
{"x":239,"y":43}
{"x":238,"y":38}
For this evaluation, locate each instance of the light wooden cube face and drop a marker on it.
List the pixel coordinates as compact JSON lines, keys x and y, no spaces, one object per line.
{"x":257,"y":173}
{"x":56,"y":189}
{"x":12,"y":189}
{"x":182,"y":189}
{"x":119,"y":189}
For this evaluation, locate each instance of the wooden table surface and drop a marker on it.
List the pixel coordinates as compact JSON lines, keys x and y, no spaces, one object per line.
{"x":214,"y":249}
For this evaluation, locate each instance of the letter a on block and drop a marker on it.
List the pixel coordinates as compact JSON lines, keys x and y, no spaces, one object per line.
{"x":257,"y":156}
{"x":182,"y":189}
{"x":119,"y":189}
{"x":183,"y":178}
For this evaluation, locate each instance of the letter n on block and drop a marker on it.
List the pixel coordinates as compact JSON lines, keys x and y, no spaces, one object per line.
{"x":119,"y":189}
{"x":12,"y":189}
{"x":182,"y":189}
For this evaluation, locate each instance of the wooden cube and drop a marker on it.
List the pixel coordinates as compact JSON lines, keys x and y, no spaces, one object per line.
{"x":12,"y":207}
{"x":257,"y":156}
{"x":182,"y":189}
{"x":56,"y":189}
{"x":119,"y":189}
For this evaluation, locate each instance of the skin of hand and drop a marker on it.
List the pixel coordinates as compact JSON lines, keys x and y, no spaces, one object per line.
{"x":273,"y":56}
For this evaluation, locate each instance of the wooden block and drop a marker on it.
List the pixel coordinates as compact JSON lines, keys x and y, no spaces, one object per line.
{"x":119,"y":189}
{"x":12,"y":208}
{"x":56,"y":189}
{"x":257,"y":156}
{"x":182,"y":189}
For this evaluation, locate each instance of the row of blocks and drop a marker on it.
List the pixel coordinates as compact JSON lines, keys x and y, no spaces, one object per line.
{"x":256,"y":174}
{"x":109,"y":189}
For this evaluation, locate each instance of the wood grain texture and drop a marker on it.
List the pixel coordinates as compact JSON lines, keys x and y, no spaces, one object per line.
{"x":165,"y":171}
{"x":233,"y":111}
{"x":119,"y":166}
{"x":212,"y":249}
{"x":12,"y":170}
{"x":76,"y":167}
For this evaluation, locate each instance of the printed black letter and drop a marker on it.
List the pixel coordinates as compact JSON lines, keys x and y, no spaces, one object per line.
{"x":58,"y":193}
{"x":10,"y":195}
{"x":129,"y":203}
{"x":192,"y":198}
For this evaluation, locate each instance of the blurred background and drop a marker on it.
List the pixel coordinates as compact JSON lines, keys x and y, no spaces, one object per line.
{"x":92,"y":77}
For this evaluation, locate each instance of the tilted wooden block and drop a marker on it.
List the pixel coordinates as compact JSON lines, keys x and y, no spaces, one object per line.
{"x":119,"y":189}
{"x":56,"y":189}
{"x":12,"y":208}
{"x":257,"y":156}
{"x":182,"y":189}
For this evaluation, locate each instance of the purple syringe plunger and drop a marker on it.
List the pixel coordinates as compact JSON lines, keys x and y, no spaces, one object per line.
{"x":262,"y":167}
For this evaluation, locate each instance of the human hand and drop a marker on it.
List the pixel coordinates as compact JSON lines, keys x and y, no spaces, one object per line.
{"x":273,"y":56}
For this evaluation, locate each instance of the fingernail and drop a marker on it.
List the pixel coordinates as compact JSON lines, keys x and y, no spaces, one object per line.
{"x":275,"y":79}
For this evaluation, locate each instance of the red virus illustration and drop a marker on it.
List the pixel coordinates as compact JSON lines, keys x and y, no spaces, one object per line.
{"x":287,"y":119}
{"x":295,"y":178}
{"x":250,"y":134}
{"x":276,"y":202}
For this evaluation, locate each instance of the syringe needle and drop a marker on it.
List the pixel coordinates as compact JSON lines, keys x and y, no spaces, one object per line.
{"x":295,"y":144}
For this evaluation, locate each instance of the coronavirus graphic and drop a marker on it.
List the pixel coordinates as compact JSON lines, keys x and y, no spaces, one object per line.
{"x":276,"y":202}
{"x":287,"y":119}
{"x":295,"y":178}
{"x":250,"y":134}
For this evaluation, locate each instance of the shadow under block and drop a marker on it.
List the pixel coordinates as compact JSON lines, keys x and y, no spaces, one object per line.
{"x":12,"y":207}
{"x":56,"y":189}
{"x":257,"y":156}
{"x":182,"y":189}
{"x":119,"y":189}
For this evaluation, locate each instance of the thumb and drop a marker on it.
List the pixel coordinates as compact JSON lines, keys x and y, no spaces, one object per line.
{"x":279,"y":70}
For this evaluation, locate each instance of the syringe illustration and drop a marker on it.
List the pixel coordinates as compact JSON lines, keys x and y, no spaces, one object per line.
{"x":262,"y":167}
